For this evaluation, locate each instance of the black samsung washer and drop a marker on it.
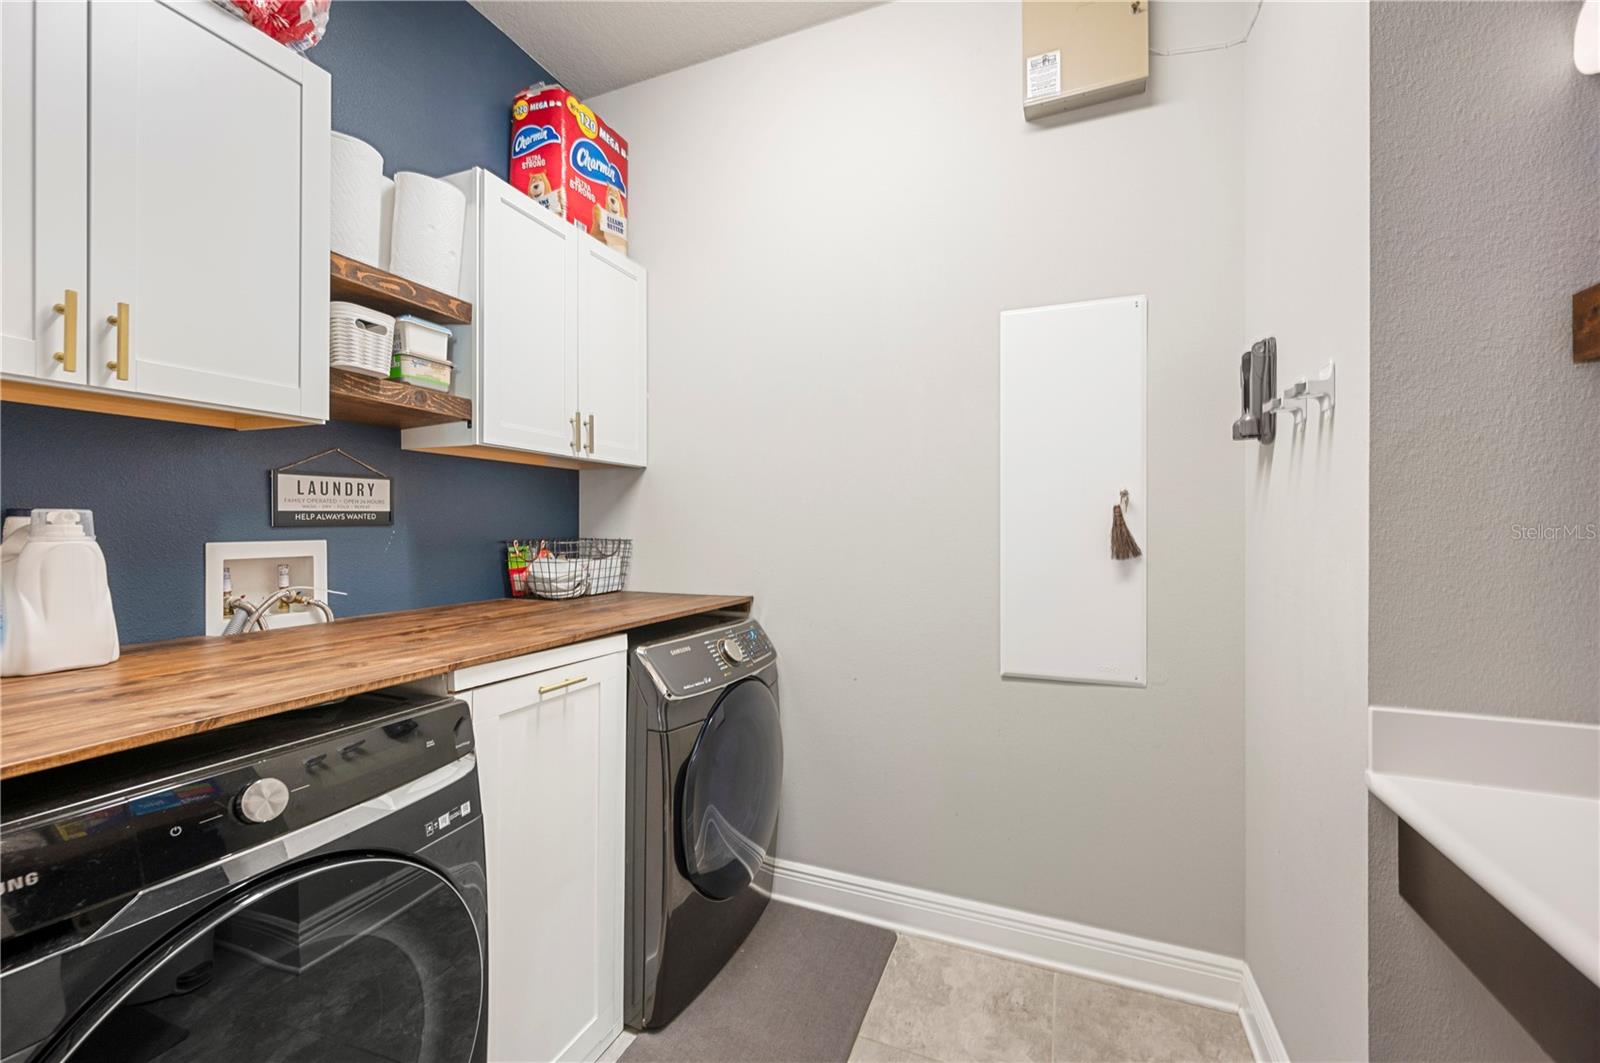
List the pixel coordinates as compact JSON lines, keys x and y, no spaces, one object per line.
{"x":705,"y":770}
{"x":305,"y":887}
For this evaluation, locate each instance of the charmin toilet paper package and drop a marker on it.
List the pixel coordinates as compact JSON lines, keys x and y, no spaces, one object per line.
{"x":565,"y":157}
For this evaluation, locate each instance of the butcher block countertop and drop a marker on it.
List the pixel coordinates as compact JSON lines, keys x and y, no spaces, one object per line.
{"x":162,"y":690}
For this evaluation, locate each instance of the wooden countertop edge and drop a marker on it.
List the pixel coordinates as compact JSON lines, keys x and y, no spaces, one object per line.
{"x":197,"y":721}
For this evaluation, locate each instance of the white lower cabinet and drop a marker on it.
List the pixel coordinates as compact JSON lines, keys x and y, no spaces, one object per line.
{"x":551,"y":758}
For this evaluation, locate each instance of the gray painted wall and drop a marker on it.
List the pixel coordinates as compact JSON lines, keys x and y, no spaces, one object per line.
{"x":1305,"y":588}
{"x":833,"y":222}
{"x":1485,"y":220}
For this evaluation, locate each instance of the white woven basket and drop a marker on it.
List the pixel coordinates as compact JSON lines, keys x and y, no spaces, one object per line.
{"x":359,"y":339}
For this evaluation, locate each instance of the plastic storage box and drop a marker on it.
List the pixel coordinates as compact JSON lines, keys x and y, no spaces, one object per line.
{"x":412,"y":335}
{"x":421,"y":370}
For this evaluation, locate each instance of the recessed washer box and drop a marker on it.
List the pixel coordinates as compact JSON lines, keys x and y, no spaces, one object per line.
{"x":254,"y":570}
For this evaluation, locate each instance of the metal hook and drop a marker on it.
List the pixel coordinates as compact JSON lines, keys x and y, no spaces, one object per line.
{"x":1123,"y":494}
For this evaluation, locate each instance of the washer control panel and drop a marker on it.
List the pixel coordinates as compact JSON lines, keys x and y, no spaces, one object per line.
{"x":708,"y":659}
{"x":154,"y":825}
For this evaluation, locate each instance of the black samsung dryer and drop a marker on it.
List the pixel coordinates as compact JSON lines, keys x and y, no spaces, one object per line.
{"x":705,"y":767}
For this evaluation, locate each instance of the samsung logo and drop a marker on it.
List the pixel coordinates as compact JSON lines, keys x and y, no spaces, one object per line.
{"x":589,"y":160}
{"x":14,"y":884}
{"x":680,"y":651}
{"x":534,"y":136}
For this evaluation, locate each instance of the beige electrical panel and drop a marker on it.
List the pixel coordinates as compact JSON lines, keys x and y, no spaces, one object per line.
{"x":1075,"y":54}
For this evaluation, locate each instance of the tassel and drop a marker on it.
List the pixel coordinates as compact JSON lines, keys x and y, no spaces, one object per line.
{"x":1123,"y":547}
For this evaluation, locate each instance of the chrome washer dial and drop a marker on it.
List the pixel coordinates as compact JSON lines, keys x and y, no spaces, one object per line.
{"x":263,"y":800}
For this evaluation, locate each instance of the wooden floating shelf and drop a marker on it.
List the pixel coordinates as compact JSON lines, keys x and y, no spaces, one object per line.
{"x":391,"y":403}
{"x":1586,"y":325}
{"x":357,"y":282}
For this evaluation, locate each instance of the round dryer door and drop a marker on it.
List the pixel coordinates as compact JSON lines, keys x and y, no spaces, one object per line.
{"x":362,"y":956}
{"x":728,"y":800}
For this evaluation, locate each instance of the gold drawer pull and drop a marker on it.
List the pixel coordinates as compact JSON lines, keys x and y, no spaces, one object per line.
{"x":590,"y":448}
{"x":68,"y":309}
{"x":120,"y":319}
{"x":564,"y":684}
{"x":577,"y":432}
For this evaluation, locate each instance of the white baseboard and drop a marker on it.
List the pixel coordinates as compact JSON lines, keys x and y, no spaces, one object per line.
{"x":1175,"y":971}
{"x":1259,"y":1029}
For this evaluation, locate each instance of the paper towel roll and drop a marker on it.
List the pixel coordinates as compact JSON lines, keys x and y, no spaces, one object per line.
{"x":428,"y":216}
{"x":385,"y":223}
{"x":356,"y":198}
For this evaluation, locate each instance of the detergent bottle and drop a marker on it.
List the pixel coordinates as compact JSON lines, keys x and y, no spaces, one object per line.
{"x":57,"y":603}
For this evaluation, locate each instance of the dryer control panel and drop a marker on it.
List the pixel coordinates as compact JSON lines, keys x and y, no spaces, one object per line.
{"x":708,"y":659}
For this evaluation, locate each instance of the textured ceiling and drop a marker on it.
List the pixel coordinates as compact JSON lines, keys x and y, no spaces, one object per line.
{"x":594,"y":46}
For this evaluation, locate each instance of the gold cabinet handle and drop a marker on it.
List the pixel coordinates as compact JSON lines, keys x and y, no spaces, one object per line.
{"x":564,"y":684}
{"x":577,"y":431}
{"x":68,"y":309}
{"x":120,"y":319}
{"x":590,"y":447}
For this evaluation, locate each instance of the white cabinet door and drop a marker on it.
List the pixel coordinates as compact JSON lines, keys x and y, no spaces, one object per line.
{"x":44,"y":198}
{"x":526,"y":345}
{"x":551,"y":750}
{"x":613,"y":380}
{"x":556,"y":362}
{"x":208,"y":210}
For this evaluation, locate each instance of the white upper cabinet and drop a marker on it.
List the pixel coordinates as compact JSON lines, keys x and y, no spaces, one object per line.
{"x":196,"y":229}
{"x":555,"y":358}
{"x":205,"y":144}
{"x":525,"y":315}
{"x":44,"y":220}
{"x":611,"y":354}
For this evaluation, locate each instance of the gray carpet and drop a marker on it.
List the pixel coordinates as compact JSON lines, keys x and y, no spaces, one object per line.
{"x":795,"y":992}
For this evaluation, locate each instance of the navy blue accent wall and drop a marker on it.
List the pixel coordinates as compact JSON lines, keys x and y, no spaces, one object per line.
{"x":429,"y":84}
{"x":161,"y":491}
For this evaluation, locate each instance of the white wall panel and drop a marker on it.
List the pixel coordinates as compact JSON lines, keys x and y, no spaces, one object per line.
{"x":1072,"y":437}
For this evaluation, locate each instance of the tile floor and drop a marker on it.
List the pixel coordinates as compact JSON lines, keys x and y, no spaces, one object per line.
{"x":941,"y":1003}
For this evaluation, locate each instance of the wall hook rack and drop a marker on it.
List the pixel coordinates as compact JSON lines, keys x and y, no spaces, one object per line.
{"x":1319,"y":389}
{"x":1288,"y":402}
{"x":1260,"y":402}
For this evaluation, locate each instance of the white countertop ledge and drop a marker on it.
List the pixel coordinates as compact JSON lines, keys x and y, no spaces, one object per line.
{"x":1515,"y":804}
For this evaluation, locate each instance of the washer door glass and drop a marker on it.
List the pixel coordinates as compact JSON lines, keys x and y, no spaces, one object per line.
{"x":728,"y":797}
{"x":353,"y":958}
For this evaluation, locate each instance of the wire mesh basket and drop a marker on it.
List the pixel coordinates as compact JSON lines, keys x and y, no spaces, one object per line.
{"x":566,"y":568}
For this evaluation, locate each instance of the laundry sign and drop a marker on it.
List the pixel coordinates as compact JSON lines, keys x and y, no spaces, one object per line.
{"x":305,"y":499}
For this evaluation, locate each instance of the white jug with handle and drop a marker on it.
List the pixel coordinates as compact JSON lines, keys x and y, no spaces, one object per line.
{"x":56,"y":599}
